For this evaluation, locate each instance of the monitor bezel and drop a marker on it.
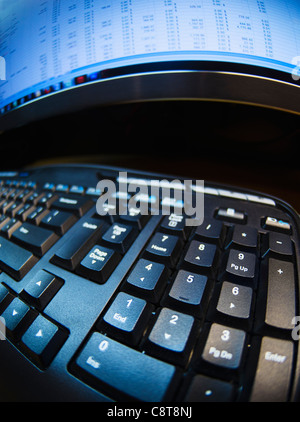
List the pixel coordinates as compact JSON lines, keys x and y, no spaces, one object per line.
{"x":166,"y":81}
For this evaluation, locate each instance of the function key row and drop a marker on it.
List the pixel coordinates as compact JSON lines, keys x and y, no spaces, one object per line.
{"x":74,"y":189}
{"x":18,"y":183}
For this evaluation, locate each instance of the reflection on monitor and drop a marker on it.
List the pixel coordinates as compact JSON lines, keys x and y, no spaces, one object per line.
{"x":124,"y":50}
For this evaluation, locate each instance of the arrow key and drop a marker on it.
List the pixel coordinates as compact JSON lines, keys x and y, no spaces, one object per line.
{"x":235,"y":300}
{"x":200,"y":255}
{"x":148,"y":278}
{"x":17,"y":318}
{"x":41,"y":289}
{"x":170,"y":335}
{"x":42,"y":341}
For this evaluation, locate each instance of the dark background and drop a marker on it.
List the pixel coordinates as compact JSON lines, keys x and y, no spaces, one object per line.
{"x":239,"y":145}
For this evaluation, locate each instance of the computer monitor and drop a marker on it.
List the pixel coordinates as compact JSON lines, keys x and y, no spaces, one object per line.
{"x":60,"y":56}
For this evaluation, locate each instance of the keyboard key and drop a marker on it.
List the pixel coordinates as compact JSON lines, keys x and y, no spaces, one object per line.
{"x":119,"y":236}
{"x":127,"y":314}
{"x":49,"y":186}
{"x":164,"y":247}
{"x":18,"y":316}
{"x":24,"y":211}
{"x":25,"y":195}
{"x":272,"y":223}
{"x":206,"y":389}
{"x":277,"y":244}
{"x":224,"y":346}
{"x":135,"y":217}
{"x":171,"y":332}
{"x":42,"y":341}
{"x":41,"y":289}
{"x":3,"y":220}
{"x":281,"y":300}
{"x":58,"y":221}
{"x":210,"y":229}
{"x":15,"y":260}
{"x":124,"y":370}
{"x":79,"y":205}
{"x":188,"y":289}
{"x":175,"y":224}
{"x":77,"y":189}
{"x":5,"y":297}
{"x":13,"y":209}
{"x":34,"y":197}
{"x":243,"y":236}
{"x":5,"y":205}
{"x":201,"y":255}
{"x":37,"y":215}
{"x":62,"y":188}
{"x":8,"y":229}
{"x":235,"y":300}
{"x":36,"y":239}
{"x":93,"y":192}
{"x":147,"y":278}
{"x":273,"y":374}
{"x":47,"y":199}
{"x":73,"y":249}
{"x":99,"y":263}
{"x":231,"y":215}
{"x":107,"y":211}
{"x":241,"y":264}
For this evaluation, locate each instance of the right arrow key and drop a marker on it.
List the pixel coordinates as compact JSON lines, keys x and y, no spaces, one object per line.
{"x":235,"y":300}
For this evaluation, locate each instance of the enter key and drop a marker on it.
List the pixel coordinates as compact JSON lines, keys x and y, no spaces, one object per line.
{"x":273,"y":375}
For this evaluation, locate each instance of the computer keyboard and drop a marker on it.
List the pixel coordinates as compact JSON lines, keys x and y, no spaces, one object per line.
{"x":98,"y":305}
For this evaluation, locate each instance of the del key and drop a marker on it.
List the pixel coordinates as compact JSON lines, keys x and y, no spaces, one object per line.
{"x":75,"y":247}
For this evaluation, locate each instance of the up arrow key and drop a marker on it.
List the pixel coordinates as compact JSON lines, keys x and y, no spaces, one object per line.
{"x":39,"y":333}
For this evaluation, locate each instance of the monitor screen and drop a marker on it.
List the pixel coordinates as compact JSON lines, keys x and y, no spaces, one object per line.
{"x":59,"y":55}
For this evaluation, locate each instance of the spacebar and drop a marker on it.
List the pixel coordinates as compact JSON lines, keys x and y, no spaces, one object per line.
{"x":15,"y":260}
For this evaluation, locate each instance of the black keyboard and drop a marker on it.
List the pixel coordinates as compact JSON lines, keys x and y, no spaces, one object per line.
{"x":107,"y":299}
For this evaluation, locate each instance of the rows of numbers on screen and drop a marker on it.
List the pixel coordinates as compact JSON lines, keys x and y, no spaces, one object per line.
{"x":66,"y":35}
